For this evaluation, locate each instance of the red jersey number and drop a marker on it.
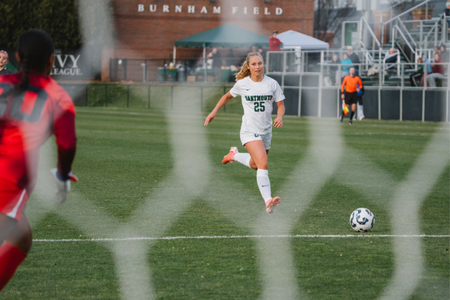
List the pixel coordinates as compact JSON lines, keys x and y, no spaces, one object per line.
{"x":4,"y":88}
{"x":27,"y":106}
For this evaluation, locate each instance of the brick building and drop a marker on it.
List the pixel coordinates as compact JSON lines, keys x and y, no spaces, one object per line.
{"x":147,"y":29}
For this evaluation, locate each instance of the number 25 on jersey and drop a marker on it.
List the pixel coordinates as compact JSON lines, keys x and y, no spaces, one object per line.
{"x":259,"y":106}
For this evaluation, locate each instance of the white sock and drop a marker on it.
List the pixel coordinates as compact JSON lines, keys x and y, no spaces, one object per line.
{"x":262,"y":178}
{"x":360,"y":111}
{"x":243,"y":158}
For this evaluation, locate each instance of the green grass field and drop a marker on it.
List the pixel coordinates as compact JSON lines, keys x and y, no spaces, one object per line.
{"x":146,"y":175}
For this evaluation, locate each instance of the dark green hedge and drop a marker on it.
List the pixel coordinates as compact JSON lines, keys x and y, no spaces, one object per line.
{"x":57,"y":17}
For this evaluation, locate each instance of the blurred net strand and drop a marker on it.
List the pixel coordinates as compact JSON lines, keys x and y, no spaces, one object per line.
{"x":178,"y":181}
{"x":73,"y":213}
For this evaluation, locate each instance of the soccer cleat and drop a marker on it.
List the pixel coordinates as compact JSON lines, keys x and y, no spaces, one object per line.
{"x":230,"y":156}
{"x":361,"y":118}
{"x":270,"y":204}
{"x":342,"y":117}
{"x":350,"y":123}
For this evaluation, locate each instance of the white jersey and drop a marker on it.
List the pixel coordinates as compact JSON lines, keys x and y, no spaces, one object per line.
{"x":257,"y":100}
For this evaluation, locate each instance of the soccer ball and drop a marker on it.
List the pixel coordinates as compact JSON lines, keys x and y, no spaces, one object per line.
{"x":362,"y":219}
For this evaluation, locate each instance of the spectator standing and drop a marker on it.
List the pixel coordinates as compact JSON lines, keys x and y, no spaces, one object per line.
{"x":349,"y":92}
{"x":436,"y":50}
{"x":334,"y":70}
{"x":274,"y":45}
{"x":274,"y":42}
{"x":346,"y":65}
{"x":217,"y":64}
{"x":262,"y":52}
{"x":4,"y":59}
{"x":354,"y":58}
{"x":438,"y":71}
{"x":444,"y":54}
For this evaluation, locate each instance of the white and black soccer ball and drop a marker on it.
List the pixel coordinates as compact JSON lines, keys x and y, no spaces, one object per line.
{"x":362,"y":220}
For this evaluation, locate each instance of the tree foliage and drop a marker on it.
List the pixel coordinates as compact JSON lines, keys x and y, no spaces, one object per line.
{"x":57,"y":17}
{"x":329,"y":16}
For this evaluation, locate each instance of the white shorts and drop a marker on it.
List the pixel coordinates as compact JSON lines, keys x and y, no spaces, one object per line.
{"x":248,"y":137}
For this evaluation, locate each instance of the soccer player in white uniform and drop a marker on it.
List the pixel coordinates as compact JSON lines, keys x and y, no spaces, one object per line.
{"x":258,"y":92}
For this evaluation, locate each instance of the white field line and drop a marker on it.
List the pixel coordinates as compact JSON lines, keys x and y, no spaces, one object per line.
{"x":275,"y":133}
{"x":242,"y":237}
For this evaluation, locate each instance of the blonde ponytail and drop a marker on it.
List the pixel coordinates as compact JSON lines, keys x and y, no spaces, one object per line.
{"x":245,"y":70}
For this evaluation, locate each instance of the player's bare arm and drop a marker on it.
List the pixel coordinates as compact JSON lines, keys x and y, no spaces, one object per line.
{"x":222,"y":102}
{"x":278,"y":122}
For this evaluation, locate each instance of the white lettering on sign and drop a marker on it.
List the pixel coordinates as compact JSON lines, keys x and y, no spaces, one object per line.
{"x":62,"y":62}
{"x":66,"y":71}
{"x":74,"y":61}
{"x":215,"y":10}
{"x":60,"y":68}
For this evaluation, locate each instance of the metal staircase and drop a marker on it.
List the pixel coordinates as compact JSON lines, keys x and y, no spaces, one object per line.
{"x":410,"y":38}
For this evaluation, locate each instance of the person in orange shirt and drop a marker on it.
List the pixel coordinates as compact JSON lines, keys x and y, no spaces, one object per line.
{"x":351,"y":86}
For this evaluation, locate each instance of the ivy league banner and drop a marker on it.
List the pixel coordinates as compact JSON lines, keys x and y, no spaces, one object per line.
{"x":71,"y":65}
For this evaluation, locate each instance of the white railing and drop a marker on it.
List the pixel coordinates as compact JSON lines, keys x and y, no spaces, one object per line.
{"x":318,"y":63}
{"x":397,"y":17}
{"x":372,"y":34}
{"x":425,"y":33}
{"x":402,"y":25}
{"x":396,"y":29}
{"x":316,"y":79}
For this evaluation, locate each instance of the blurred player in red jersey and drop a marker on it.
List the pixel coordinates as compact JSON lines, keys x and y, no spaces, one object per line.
{"x":32,"y":108}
